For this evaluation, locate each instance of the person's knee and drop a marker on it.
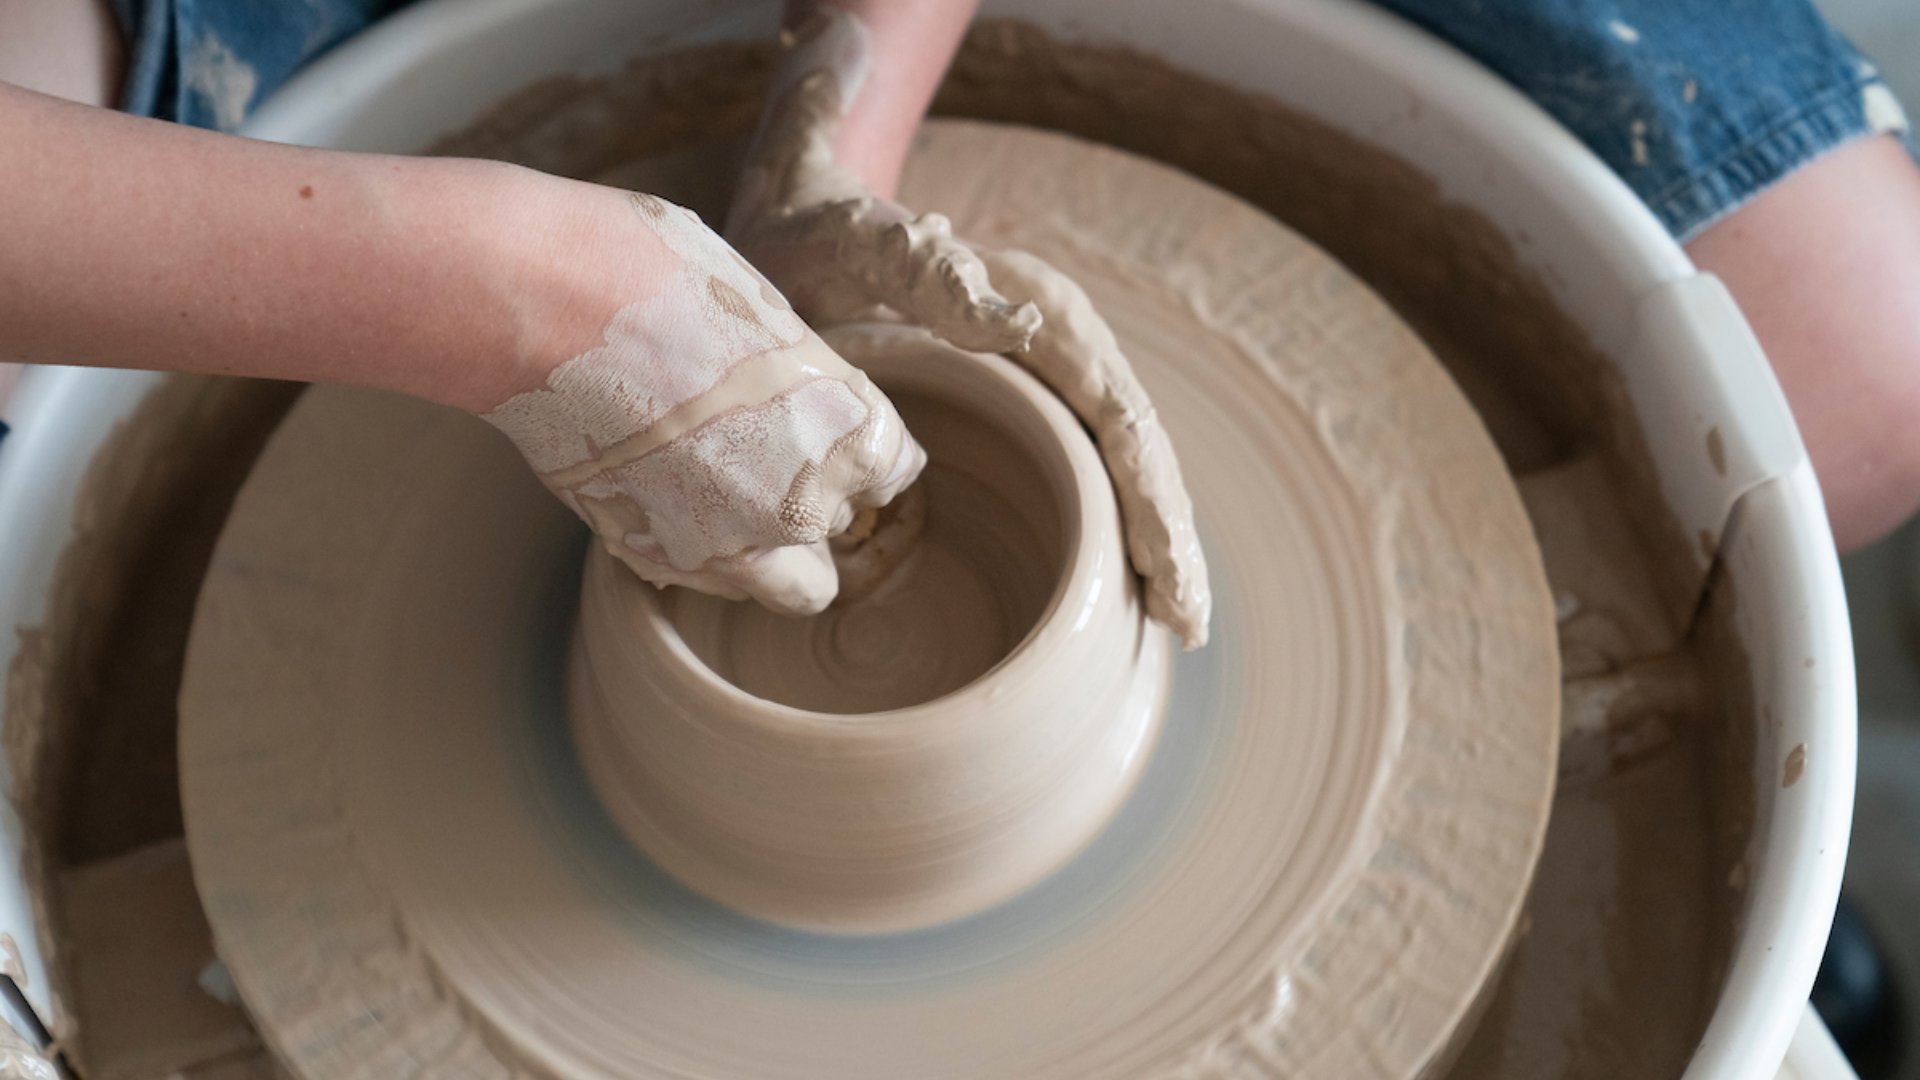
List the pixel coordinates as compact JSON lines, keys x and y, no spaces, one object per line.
{"x":1826,"y":265}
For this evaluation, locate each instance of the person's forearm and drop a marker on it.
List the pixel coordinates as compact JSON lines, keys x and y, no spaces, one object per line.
{"x":910,"y":44}
{"x":136,"y":243}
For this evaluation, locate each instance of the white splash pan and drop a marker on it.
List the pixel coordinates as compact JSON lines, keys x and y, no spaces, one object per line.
{"x":1687,"y":356}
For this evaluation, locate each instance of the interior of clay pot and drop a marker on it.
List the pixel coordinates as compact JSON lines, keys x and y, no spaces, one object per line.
{"x":1635,"y":900}
{"x":1001,"y":517}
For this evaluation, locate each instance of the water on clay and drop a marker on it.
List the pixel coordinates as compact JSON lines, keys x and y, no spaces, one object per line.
{"x":1634,"y":901}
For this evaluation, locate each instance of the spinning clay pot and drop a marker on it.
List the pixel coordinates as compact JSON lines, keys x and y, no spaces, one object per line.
{"x":916,"y":754}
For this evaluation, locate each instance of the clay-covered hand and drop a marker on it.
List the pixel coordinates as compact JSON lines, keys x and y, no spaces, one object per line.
{"x":1077,"y":356}
{"x":834,"y":248}
{"x":840,"y":253}
{"x":711,"y":439}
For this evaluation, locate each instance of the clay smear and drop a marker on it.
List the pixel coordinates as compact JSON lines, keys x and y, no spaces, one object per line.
{"x":840,"y":253}
{"x":833,"y":248}
{"x":712,"y":440}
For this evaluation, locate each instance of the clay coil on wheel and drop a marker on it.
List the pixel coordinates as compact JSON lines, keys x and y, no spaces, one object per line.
{"x":1315,"y":873}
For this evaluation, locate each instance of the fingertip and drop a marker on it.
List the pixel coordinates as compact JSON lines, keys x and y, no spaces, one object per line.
{"x":908,"y":464}
{"x":915,"y":466}
{"x":797,"y":580}
{"x":843,"y":517}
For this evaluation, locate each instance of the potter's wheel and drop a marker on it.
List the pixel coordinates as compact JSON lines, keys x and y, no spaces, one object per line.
{"x":1315,"y":875}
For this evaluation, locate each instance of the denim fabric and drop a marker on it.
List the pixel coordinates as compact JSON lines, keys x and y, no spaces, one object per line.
{"x":1698,"y":104}
{"x":209,"y":62}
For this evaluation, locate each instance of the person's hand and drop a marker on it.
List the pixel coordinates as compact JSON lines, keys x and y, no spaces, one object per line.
{"x":841,"y":253}
{"x":1076,"y":354}
{"x":658,"y":384}
{"x":707,"y":435}
{"x":816,"y":229}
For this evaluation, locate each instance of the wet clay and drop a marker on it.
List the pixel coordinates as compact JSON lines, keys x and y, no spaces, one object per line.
{"x":838,"y":251}
{"x":1618,"y":962}
{"x":1546,"y":392}
{"x":915,"y":756}
{"x":830,"y":245}
{"x":1077,"y":355}
{"x":1571,"y":999}
{"x":711,"y":441}
{"x":1316,"y":871}
{"x":877,"y":544}
{"x":988,"y":553}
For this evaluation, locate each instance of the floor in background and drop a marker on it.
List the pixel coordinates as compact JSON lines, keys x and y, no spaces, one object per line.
{"x":1883,"y":590}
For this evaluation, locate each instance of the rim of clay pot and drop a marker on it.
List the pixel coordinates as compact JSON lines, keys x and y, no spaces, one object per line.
{"x":1083,"y":496}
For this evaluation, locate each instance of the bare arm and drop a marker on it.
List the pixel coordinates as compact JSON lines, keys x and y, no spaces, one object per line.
{"x":136,"y":243}
{"x":596,"y":327}
{"x":912,"y":44}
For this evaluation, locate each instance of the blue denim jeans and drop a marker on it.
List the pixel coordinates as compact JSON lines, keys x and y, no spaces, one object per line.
{"x":1698,"y":104}
{"x":209,"y":62}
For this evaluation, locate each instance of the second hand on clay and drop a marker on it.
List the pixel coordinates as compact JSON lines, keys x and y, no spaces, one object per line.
{"x":840,"y":253}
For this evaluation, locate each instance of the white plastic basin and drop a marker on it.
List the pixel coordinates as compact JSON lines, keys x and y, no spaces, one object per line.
{"x":1688,"y":360}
